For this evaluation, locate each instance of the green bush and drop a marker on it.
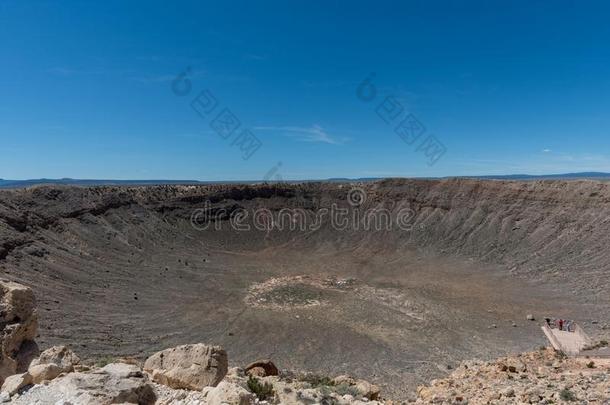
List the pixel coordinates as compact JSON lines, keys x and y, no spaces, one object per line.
{"x":567,"y":395}
{"x":316,"y":380}
{"x":263,"y":391}
{"x":346,"y":389}
{"x":103,"y":361}
{"x":601,"y":343}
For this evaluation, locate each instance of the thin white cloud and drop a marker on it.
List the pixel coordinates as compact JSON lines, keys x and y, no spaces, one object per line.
{"x":254,"y":56}
{"x":546,"y":150}
{"x":63,"y":71}
{"x":70,"y":72}
{"x":165,"y":78}
{"x":149,"y":58}
{"x":315,"y":133}
{"x":149,"y":78}
{"x":193,"y":135}
{"x":155,"y":78}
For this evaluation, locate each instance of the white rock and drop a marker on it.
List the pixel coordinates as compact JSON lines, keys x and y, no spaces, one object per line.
{"x":12,"y":384}
{"x":229,"y":393}
{"x":61,"y":356}
{"x":113,"y":384}
{"x":44,"y":372}
{"x":188,"y":366}
{"x":367,"y":390}
{"x":20,"y":320}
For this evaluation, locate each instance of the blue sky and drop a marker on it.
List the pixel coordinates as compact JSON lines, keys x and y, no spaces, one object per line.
{"x":500,"y":87}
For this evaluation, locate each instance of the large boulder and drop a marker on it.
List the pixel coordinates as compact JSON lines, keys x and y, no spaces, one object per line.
{"x":12,"y":384}
{"x":19,"y":322}
{"x":188,"y":366}
{"x":113,"y":384}
{"x":229,"y":393}
{"x":44,"y":372}
{"x":367,"y":390}
{"x":60,"y":356}
{"x":262,"y":368}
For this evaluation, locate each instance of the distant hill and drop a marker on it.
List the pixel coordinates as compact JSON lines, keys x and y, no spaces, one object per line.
{"x":94,"y":182}
{"x":88,"y":182}
{"x":565,"y":176}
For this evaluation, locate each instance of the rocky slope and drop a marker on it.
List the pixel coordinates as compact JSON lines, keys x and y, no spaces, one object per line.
{"x":549,"y":229}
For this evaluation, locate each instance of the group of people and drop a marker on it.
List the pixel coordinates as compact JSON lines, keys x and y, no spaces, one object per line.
{"x":561,"y":324}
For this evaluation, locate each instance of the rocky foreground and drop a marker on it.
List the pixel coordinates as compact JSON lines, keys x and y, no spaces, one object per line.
{"x":199,"y":374}
{"x":542,"y":377}
{"x":189,"y":374}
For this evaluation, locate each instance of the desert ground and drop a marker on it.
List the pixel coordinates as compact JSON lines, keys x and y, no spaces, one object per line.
{"x":127,"y":271}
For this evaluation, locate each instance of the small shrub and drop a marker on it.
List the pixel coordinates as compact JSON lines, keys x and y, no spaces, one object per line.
{"x":316,"y":380}
{"x":601,"y":343}
{"x":346,"y":389}
{"x":263,"y":391}
{"x":328,"y":401}
{"x":327,"y":396}
{"x":567,"y":395}
{"x":591,"y":364}
{"x":103,"y":361}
